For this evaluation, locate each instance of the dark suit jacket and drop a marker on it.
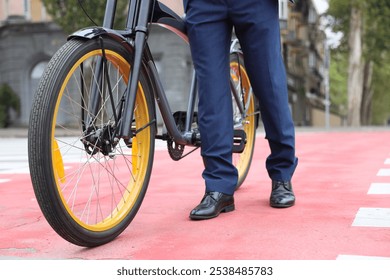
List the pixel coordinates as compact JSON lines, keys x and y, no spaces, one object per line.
{"x":185,"y":2}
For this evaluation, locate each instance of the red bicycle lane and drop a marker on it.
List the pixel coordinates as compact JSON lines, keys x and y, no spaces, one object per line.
{"x":331,"y":183}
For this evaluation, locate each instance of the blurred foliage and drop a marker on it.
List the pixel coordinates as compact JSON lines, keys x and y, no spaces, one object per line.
{"x":8,"y":99}
{"x":381,"y":100}
{"x":339,"y":75}
{"x":70,"y":16}
{"x":376,"y":48}
{"x":376,"y":30}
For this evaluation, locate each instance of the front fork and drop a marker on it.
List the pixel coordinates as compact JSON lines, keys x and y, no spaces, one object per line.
{"x":93,"y":106}
{"x":137,"y":25}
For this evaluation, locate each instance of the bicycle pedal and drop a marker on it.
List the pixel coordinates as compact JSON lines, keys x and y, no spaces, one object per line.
{"x":239,"y":141}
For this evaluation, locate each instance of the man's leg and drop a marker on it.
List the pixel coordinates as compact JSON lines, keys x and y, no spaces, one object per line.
{"x":210,"y":33}
{"x":257,"y":27}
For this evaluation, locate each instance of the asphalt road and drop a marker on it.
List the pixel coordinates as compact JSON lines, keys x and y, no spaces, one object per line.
{"x":342,"y":185}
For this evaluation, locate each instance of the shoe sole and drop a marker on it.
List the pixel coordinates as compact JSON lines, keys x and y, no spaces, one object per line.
{"x":282,"y":205}
{"x":226,"y":209}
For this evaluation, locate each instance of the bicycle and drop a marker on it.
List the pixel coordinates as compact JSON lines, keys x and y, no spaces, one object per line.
{"x":93,"y":124}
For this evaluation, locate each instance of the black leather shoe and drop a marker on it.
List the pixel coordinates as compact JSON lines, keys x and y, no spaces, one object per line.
{"x":282,"y":195}
{"x":212,"y":204}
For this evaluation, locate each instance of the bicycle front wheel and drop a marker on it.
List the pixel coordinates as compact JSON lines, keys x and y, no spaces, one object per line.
{"x":88,"y":185}
{"x":246,"y":120}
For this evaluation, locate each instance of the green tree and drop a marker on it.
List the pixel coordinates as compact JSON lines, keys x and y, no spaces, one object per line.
{"x":339,"y":74}
{"x":366,"y":40}
{"x":70,"y":16}
{"x":8,"y":99}
{"x":377,"y":58}
{"x":380,"y":103}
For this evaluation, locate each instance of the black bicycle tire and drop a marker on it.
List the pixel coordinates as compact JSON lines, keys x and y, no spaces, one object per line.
{"x":39,"y":142}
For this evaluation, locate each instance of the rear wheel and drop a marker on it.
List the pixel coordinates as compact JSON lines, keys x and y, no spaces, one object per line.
{"x":247,"y":121}
{"x":89,"y":184}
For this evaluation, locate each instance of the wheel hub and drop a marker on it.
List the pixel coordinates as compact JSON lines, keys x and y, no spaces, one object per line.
{"x":100,"y":140}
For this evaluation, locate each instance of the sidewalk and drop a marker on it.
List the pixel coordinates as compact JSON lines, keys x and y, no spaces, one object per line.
{"x":13,"y":132}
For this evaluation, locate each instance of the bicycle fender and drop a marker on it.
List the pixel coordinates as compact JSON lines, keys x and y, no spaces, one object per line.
{"x":93,"y":32}
{"x":163,"y":16}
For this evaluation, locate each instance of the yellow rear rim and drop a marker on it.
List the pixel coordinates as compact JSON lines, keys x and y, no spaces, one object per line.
{"x":242,"y":160}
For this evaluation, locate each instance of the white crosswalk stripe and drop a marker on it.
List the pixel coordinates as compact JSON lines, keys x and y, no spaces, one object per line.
{"x":355,"y":257}
{"x":379,"y":188}
{"x":372,"y":217}
{"x":383,"y":172}
{"x":13,"y":156}
{"x":20,"y":167}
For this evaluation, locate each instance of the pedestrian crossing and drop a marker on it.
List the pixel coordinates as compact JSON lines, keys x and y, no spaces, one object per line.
{"x":371,"y":216}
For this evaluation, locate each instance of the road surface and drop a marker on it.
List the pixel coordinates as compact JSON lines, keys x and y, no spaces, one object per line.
{"x":342,"y":185}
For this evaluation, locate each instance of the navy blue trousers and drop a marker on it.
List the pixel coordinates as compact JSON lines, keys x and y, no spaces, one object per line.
{"x":256,"y":24}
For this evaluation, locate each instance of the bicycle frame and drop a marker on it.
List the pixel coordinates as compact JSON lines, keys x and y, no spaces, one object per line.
{"x":91,"y":183}
{"x":141,"y":14}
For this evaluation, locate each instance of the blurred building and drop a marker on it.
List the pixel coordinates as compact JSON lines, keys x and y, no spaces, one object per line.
{"x":306,"y":57}
{"x":28,"y":39}
{"x":175,"y":5}
{"x":31,"y":10}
